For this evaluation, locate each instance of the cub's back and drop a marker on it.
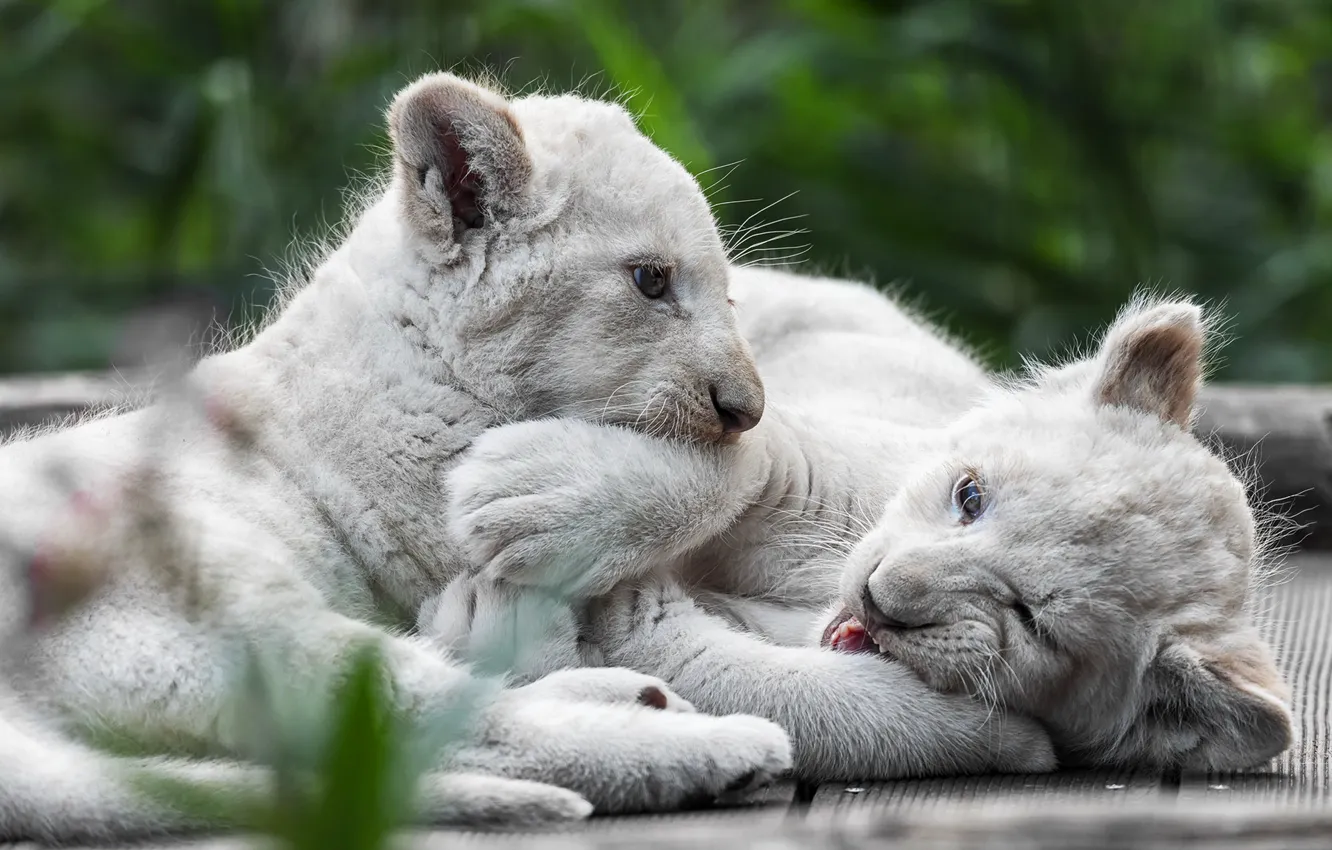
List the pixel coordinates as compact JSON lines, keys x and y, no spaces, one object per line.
{"x":847,"y":348}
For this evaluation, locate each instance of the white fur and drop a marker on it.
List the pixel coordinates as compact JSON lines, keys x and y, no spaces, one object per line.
{"x":1130,"y":543}
{"x":489,"y":283}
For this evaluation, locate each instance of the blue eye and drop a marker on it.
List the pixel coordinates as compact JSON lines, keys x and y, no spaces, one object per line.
{"x":968,"y":499}
{"x":652,"y":281}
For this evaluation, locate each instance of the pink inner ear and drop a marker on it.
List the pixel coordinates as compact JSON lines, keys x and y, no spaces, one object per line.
{"x":461,"y":182}
{"x":1156,"y":370}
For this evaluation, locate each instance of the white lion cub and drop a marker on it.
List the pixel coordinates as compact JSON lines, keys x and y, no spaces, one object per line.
{"x":529,"y":256}
{"x":1059,"y":547}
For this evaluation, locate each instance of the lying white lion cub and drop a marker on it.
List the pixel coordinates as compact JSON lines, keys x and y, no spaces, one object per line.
{"x":1059,"y":547}
{"x":529,"y":256}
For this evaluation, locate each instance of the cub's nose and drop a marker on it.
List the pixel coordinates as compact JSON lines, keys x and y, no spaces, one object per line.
{"x":735,"y":414}
{"x":897,"y":617}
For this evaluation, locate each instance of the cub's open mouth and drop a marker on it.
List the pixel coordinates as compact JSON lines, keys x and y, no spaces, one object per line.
{"x":846,"y":634}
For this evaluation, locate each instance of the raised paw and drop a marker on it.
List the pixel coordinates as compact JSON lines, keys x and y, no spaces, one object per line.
{"x":517,"y":501}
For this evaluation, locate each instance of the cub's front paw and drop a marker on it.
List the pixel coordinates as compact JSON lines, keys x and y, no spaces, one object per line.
{"x":623,"y":741}
{"x":629,"y":758}
{"x":703,"y":757}
{"x":523,"y":504}
{"x":1020,"y":745}
{"x":750,"y":752}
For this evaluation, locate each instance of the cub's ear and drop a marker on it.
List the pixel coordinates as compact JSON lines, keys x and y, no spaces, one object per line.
{"x":1219,"y":708}
{"x":460,"y":155}
{"x":1151,"y":361}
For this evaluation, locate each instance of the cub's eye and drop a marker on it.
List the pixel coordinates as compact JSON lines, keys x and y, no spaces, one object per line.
{"x":1024,"y":614}
{"x":1034,"y":627}
{"x":651,"y":280}
{"x":968,"y":500}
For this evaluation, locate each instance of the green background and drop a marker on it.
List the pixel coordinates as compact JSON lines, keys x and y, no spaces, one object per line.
{"x":1018,"y":167}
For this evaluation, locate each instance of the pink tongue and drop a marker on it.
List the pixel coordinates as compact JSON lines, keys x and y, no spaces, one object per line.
{"x":851,"y":637}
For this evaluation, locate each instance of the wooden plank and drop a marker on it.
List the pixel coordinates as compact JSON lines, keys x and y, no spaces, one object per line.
{"x":1115,"y":787}
{"x":761,"y":808}
{"x":1150,"y":826}
{"x":1135,"y":827}
{"x":1299,"y":623}
{"x":760,"y":811}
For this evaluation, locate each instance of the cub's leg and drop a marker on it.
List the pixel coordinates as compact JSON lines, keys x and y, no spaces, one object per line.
{"x":55,"y":790}
{"x":58,"y":791}
{"x":131,"y":662}
{"x":849,"y":716}
{"x":624,"y":741}
{"x":595,"y":734}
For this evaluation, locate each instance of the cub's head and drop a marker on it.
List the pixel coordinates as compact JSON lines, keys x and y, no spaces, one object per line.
{"x":554,"y":261}
{"x":1078,"y":556}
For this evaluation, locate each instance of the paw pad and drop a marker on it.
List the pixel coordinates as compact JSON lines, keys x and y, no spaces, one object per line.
{"x":653,"y":697}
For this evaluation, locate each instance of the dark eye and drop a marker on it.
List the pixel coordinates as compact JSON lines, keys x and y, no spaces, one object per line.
{"x":968,"y":499}
{"x":651,"y":280}
{"x":1024,"y":614}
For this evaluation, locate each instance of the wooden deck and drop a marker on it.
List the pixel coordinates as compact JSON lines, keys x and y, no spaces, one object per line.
{"x":1285,"y":805}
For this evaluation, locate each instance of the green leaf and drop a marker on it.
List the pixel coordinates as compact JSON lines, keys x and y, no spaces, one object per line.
{"x":355,"y":809}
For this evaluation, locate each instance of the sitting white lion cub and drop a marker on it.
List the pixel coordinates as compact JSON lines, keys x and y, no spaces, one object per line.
{"x":1060,"y":547}
{"x":529,"y":256}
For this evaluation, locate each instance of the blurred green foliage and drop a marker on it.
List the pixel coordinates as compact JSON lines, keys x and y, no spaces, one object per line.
{"x":345,"y":765}
{"x":360,"y":787}
{"x":1020,"y":165}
